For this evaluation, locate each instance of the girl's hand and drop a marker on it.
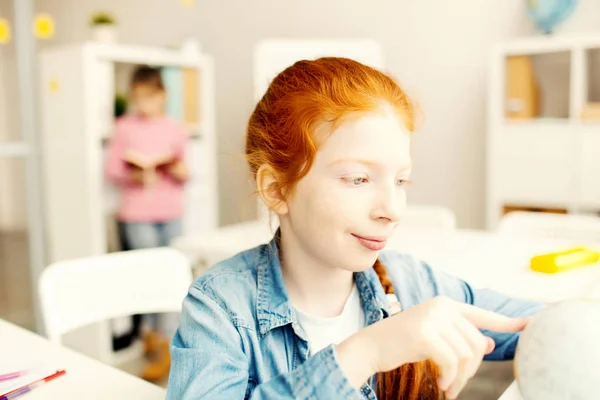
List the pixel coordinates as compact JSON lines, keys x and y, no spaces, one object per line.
{"x":441,"y":329}
{"x":138,"y":159}
{"x":144,"y":177}
{"x":178,"y":170}
{"x":137,"y":175}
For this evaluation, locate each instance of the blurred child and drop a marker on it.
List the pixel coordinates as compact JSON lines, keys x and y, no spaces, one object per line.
{"x":146,"y":160}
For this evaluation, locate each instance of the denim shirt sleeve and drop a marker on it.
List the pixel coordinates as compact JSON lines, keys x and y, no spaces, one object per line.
{"x":209,"y":361}
{"x":432,"y":282}
{"x":319,"y":377}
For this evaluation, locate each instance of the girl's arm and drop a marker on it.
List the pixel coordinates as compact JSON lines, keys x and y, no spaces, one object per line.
{"x":179,"y":169}
{"x":407,"y":271}
{"x":116,"y":169}
{"x":209,"y":362}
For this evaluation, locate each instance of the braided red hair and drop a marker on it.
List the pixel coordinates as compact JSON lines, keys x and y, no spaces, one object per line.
{"x":416,"y":381}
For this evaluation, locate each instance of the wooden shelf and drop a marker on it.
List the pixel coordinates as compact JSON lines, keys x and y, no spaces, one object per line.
{"x":148,"y":55}
{"x":537,"y":122}
{"x":550,"y":161}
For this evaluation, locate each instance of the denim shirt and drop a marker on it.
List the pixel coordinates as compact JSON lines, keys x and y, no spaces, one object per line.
{"x":239,"y":337}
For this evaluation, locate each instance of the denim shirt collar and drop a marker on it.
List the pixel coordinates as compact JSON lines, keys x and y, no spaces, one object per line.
{"x":274,"y":308}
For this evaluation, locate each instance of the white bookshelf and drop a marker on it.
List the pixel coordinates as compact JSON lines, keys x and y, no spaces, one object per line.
{"x":78,"y":87}
{"x":551,"y":161}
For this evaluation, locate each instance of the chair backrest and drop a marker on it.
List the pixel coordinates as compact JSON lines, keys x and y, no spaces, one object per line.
{"x":561,"y":226}
{"x":75,"y":293}
{"x":423,"y":217}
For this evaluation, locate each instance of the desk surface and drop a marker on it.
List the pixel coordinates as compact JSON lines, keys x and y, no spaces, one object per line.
{"x":500,"y":262}
{"x":85,"y":378}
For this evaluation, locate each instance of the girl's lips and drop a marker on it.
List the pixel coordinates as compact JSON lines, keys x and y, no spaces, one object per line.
{"x":371,"y":243}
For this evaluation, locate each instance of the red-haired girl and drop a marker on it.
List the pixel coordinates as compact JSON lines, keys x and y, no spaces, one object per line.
{"x":322,"y":312}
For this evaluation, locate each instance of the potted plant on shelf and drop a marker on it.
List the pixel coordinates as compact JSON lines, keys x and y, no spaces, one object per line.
{"x":120,"y":105}
{"x":104,"y":28}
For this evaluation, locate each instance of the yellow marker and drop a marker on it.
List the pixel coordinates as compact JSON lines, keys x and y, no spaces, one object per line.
{"x":43,"y":26}
{"x":4,"y":31}
{"x":552,"y":263}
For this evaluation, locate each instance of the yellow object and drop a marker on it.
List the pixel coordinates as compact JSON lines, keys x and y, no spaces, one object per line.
{"x":43,"y":26}
{"x":4,"y":31}
{"x":54,"y":86}
{"x":563,"y":260}
{"x":522,"y":91}
{"x":591,"y":110}
{"x":191,"y":95}
{"x":188,"y":3}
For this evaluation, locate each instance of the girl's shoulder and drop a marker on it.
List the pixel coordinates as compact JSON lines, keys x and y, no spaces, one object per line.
{"x":125,"y":120}
{"x":232,"y":284}
{"x":238,"y":270}
{"x":173,"y":124}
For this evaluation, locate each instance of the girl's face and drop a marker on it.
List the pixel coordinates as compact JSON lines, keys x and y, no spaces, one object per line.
{"x":343,"y":211}
{"x":148,"y":100}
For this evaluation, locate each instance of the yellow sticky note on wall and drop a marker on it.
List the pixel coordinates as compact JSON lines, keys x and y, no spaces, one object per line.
{"x":53,"y":86}
{"x":43,"y":26}
{"x":4,"y":31}
{"x":188,"y":2}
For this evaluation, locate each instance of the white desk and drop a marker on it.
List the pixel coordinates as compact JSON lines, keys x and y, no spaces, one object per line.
{"x":500,"y":262}
{"x":85,"y":378}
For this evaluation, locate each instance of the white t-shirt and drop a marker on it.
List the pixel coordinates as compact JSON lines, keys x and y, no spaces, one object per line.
{"x":322,"y":332}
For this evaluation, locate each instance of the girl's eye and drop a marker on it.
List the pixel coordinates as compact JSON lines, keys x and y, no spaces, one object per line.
{"x":402,"y":182}
{"x":356,"y":180}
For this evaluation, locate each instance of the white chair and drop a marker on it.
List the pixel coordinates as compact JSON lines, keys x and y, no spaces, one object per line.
{"x":76,"y":293}
{"x":584,"y":228}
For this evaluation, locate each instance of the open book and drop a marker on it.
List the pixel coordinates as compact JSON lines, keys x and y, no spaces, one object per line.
{"x":138,"y":160}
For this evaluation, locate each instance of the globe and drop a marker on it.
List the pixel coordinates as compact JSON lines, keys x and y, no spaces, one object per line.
{"x":547,"y":14}
{"x":558,"y":355}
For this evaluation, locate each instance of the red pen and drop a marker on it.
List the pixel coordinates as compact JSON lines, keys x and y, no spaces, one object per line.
{"x":27,"y":388}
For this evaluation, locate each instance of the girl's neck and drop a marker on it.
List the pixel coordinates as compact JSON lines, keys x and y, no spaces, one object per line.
{"x":150,"y":117}
{"x":316,"y":289}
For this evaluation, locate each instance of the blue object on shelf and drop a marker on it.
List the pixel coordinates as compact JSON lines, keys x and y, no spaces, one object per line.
{"x":547,"y":14}
{"x":173,"y":81}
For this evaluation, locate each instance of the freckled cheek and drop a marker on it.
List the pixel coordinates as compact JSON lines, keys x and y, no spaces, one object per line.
{"x":348,"y":206}
{"x":402,"y":197}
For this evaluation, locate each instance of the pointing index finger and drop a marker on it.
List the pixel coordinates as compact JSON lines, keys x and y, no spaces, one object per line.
{"x":485,"y":319}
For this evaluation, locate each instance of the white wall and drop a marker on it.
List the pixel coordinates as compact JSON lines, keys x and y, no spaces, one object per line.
{"x":12,"y":187}
{"x":437,"y":49}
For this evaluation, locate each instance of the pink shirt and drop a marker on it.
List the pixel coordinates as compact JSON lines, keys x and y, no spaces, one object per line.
{"x":153,"y":137}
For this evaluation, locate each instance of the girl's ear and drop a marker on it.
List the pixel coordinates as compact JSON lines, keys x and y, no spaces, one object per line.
{"x":269,"y":191}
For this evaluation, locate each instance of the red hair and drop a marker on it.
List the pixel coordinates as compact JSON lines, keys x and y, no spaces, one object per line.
{"x":303,"y":105}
